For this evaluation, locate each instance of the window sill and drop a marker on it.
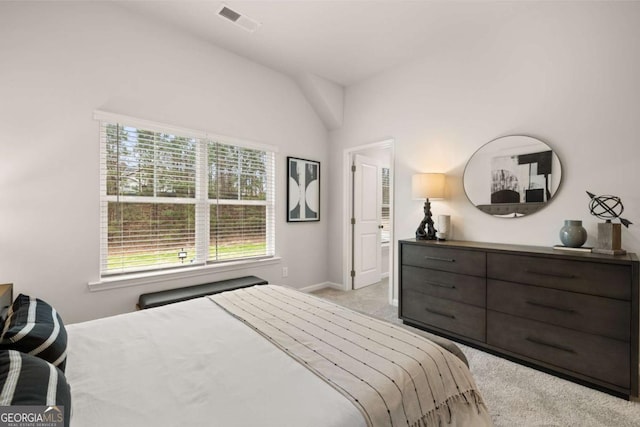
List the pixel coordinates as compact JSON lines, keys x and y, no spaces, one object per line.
{"x":146,"y":278}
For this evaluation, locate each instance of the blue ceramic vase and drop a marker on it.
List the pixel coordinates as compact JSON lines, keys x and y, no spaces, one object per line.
{"x":573,"y":234}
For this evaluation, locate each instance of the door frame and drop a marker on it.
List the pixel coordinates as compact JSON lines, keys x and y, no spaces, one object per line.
{"x":346,"y":210}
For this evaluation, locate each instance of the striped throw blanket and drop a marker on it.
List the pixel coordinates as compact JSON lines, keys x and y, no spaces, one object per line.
{"x":395,"y":377}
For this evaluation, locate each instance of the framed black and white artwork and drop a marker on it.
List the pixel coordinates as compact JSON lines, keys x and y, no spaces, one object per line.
{"x":303,"y":190}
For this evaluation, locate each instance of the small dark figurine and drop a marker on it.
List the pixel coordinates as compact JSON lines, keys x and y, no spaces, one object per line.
{"x":430,"y":232}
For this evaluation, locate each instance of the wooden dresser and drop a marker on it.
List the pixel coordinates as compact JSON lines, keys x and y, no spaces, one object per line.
{"x":572,"y":314}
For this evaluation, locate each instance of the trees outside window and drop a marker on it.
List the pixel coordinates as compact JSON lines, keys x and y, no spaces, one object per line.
{"x":171,"y":200}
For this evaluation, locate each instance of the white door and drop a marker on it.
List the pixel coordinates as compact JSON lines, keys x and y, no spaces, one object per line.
{"x":367,"y":195}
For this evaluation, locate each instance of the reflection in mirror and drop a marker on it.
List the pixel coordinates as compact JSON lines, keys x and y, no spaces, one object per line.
{"x":512,"y":176}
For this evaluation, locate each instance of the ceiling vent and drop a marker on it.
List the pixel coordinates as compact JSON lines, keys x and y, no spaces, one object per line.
{"x":239,"y":19}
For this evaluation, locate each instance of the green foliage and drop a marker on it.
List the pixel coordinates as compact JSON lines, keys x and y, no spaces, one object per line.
{"x":144,"y":163}
{"x":140,"y":227}
{"x":237,"y":173}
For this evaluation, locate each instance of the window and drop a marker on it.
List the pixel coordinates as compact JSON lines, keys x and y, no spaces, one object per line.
{"x":386,"y":226}
{"x":174,"y":197}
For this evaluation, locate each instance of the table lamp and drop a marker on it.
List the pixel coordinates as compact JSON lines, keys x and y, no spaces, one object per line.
{"x":427,"y":186}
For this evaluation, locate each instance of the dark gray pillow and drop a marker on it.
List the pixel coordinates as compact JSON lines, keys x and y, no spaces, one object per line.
{"x":31,"y":381}
{"x":33,"y":326}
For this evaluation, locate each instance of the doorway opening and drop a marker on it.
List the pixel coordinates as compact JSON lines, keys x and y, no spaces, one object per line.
{"x":368,"y":215}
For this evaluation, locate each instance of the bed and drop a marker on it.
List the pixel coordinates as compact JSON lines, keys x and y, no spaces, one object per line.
{"x":263,"y":356}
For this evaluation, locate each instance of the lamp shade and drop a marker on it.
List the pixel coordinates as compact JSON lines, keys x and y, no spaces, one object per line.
{"x":427,"y":186}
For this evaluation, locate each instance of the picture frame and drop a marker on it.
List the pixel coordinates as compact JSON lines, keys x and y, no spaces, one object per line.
{"x":303,"y":190}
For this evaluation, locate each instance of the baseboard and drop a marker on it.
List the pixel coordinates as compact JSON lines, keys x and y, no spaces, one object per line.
{"x":323,"y":285}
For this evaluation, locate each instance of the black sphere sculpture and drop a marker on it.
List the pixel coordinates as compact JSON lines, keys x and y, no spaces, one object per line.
{"x":609,"y":234}
{"x":607,"y":207}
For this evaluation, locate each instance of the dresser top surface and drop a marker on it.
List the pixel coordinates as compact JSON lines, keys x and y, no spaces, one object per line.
{"x":526,"y":250}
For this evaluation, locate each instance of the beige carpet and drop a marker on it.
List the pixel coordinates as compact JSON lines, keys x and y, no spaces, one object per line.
{"x":515,"y":395}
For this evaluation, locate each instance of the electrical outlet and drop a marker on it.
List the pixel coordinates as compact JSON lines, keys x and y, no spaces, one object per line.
{"x":285,"y":271}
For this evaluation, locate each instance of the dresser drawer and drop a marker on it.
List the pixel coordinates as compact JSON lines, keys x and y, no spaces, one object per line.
{"x":442,"y":284}
{"x":586,"y":313}
{"x":608,"y":280}
{"x":598,"y":357}
{"x":456,"y":317}
{"x":445,"y":259}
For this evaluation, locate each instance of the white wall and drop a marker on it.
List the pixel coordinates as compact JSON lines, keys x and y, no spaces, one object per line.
{"x":63,"y":60}
{"x":564,"y":72}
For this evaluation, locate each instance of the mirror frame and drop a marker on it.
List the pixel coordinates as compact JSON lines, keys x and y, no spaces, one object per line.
{"x":517,"y":154}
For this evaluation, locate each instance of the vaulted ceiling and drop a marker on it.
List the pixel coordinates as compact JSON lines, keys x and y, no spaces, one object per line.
{"x":344,"y":42}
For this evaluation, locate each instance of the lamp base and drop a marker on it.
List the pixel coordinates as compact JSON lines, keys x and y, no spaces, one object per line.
{"x":420,"y":237}
{"x":429,"y":233}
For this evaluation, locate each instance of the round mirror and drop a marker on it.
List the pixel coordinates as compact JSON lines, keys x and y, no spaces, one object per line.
{"x":512,"y":176}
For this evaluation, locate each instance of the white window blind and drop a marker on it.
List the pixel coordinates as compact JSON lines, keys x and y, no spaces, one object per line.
{"x":385,"y":218}
{"x":240,"y":191}
{"x":172,"y":198}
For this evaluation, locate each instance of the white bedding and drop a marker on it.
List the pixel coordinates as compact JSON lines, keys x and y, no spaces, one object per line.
{"x":192,"y":364}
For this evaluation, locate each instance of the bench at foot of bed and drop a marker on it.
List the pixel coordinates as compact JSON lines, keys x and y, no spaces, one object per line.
{"x":169,"y":296}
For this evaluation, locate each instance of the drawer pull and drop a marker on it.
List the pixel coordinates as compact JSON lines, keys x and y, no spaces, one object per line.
{"x":435,"y":258}
{"x":551,"y":307}
{"x":439,"y":285}
{"x":545,"y":273}
{"x":556,"y":346}
{"x":439,"y":313}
